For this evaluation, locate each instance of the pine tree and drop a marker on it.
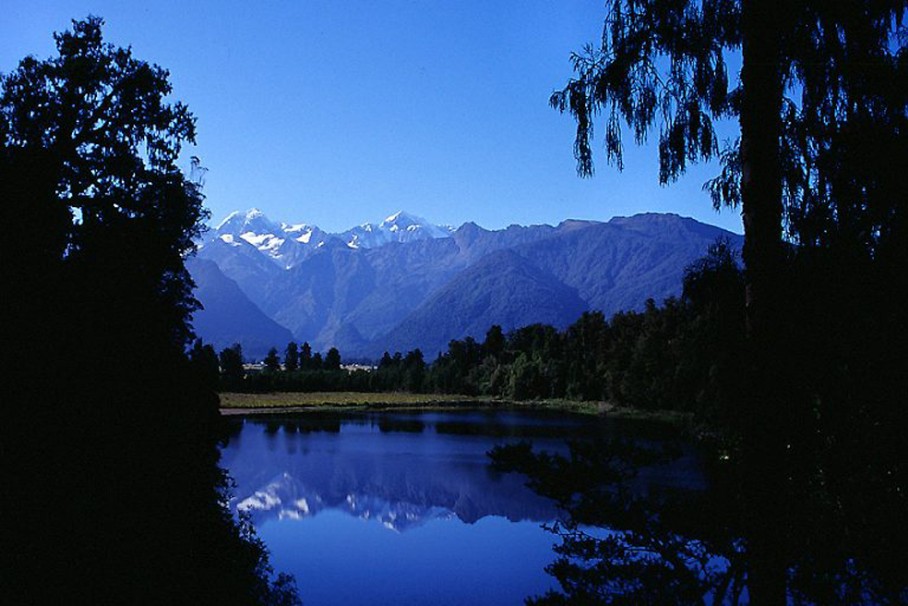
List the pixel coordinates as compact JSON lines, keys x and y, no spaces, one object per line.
{"x":272,"y":361}
{"x":291,"y":357}
{"x":305,"y":356}
{"x":332,"y":359}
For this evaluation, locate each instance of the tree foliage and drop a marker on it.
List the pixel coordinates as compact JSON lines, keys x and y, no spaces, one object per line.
{"x":291,"y":357}
{"x":821,"y":103}
{"x":842,"y":69}
{"x":88,"y":160}
{"x":272,"y":362}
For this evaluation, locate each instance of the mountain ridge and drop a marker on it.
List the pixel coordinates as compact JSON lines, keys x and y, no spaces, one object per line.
{"x":422,"y":286}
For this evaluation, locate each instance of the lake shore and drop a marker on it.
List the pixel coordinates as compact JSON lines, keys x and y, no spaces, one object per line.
{"x":233,"y":404}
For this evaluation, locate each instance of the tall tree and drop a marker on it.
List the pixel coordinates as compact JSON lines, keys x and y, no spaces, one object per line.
{"x":291,"y":357}
{"x":205,"y":362}
{"x":89,"y":144}
{"x":305,"y":356}
{"x":813,"y":73}
{"x":495,"y":342}
{"x":231,"y":362}
{"x":272,"y":361}
{"x":100,"y":119}
{"x":332,"y":359}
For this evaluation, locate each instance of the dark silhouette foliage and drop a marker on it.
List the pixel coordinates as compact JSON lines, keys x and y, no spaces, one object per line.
{"x":291,"y":357}
{"x":332,"y":359}
{"x":205,"y":364}
{"x":305,"y":356}
{"x":231,"y":363}
{"x":821,"y":103}
{"x":109,"y":441}
{"x":622,"y":543}
{"x":272,"y":362}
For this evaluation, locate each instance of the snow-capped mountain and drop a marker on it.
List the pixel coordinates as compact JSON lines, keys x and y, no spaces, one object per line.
{"x":288,"y":244}
{"x":352,"y":467}
{"x":399,"y":227}
{"x":404,"y":283}
{"x":289,"y":497}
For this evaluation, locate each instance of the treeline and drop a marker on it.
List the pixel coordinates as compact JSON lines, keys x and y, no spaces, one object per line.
{"x":299,"y":369}
{"x":674,"y":356}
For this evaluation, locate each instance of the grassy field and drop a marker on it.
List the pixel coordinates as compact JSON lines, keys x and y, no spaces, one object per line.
{"x":246,"y":403}
{"x":239,"y":403}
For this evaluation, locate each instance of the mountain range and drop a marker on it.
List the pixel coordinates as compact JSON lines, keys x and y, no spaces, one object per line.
{"x":405,"y":283}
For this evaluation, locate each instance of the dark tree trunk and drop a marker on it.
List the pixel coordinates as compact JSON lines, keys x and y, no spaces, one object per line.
{"x":762,"y":28}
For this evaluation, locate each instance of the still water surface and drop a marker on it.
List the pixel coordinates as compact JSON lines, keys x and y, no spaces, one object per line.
{"x":399,"y":508}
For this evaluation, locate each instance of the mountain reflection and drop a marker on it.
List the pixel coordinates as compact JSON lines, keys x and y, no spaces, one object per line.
{"x":399,"y":470}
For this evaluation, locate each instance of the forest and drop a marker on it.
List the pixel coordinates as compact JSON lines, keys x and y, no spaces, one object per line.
{"x":677,"y":356}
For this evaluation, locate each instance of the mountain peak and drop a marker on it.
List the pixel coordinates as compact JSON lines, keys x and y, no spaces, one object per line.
{"x":398,"y":227}
{"x":402,"y":219}
{"x":227,"y":220}
{"x":422,"y":294}
{"x":288,"y":244}
{"x":252,"y":219}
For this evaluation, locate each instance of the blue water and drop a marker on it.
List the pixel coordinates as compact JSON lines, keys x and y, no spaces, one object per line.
{"x":398,"y":508}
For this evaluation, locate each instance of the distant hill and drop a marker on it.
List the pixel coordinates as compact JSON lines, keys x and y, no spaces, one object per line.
{"x":229,"y":316}
{"x":503,"y":287}
{"x":404,"y":283}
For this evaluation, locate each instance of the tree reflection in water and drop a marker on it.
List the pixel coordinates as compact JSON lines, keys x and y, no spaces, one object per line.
{"x":625,"y":542}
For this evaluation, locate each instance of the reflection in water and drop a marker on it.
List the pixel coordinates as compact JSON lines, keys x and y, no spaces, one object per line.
{"x":405,"y":508}
{"x":666,"y":544}
{"x":398,"y":470}
{"x":679,"y":544}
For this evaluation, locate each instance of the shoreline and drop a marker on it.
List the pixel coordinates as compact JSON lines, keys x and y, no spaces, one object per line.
{"x":245,"y":404}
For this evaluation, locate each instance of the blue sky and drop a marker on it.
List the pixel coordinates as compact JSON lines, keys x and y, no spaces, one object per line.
{"x":336,"y":113}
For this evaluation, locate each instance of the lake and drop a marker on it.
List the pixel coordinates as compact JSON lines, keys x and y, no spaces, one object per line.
{"x":404,"y":508}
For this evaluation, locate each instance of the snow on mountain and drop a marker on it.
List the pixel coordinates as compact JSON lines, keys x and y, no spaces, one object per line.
{"x":253,"y":220}
{"x":403,"y":283}
{"x":288,"y":497}
{"x":288,"y":244}
{"x":254,"y":228}
{"x":399,"y":227}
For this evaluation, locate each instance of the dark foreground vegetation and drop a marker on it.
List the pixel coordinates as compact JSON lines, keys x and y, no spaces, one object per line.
{"x":112,"y":492}
{"x":813,"y":404}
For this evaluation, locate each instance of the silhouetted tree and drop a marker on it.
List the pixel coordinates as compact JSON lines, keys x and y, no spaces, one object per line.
{"x":231,"y":362}
{"x":495,"y":342}
{"x":661,"y":547}
{"x":332,"y":359}
{"x":291,"y":357}
{"x":414,"y":369}
{"x":714,"y":335}
{"x":817,"y":84}
{"x":305,"y":356}
{"x":205,"y":362}
{"x":88,"y":150}
{"x":272,"y":361}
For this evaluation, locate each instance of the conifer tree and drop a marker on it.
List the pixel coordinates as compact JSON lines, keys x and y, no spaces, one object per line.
{"x":272,"y":361}
{"x":291,"y":357}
